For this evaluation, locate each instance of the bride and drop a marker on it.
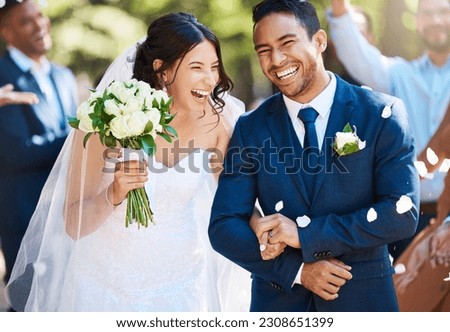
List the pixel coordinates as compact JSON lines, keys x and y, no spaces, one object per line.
{"x":77,"y":254}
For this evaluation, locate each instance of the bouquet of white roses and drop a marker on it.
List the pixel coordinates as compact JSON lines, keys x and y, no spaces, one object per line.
{"x":131,"y":113}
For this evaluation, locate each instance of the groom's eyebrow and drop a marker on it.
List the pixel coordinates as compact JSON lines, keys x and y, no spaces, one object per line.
{"x":286,"y":36}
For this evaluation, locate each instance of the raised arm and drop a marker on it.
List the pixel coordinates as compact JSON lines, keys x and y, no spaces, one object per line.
{"x":361,"y":59}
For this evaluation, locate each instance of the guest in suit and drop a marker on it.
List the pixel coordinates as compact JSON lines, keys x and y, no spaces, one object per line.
{"x":335,"y":208}
{"x":31,"y":136}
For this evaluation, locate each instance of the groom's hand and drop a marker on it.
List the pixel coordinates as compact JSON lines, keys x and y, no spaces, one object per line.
{"x":325,"y":278}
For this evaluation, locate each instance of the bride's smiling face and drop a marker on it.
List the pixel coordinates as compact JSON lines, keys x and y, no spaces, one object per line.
{"x":192,"y":79}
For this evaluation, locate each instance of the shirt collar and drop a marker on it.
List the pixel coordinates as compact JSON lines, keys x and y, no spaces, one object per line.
{"x":321,"y":103}
{"x":426,"y":62}
{"x":27,"y":64}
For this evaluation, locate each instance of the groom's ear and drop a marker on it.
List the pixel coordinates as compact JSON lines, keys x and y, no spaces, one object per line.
{"x":320,"y":40}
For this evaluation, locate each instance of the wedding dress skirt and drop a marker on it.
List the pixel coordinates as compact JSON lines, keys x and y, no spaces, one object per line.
{"x":168,"y":266}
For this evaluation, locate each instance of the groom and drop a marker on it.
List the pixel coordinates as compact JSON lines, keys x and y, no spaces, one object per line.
{"x":337,"y":210}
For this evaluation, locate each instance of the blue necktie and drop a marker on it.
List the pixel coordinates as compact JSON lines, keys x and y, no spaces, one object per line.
{"x":310,"y":155}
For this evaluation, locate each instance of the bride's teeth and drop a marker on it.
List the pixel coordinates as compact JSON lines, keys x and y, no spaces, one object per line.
{"x":287,"y":73}
{"x":200,"y":93}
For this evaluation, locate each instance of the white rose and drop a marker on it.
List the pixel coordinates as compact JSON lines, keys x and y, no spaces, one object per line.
{"x":137,"y":123}
{"x":133,"y":104}
{"x":128,"y":125}
{"x":120,"y":91}
{"x":160,"y":95}
{"x":154,"y":116}
{"x":144,"y":90}
{"x":344,"y":138}
{"x":112,"y":108}
{"x":83,"y":112}
{"x":119,"y":127}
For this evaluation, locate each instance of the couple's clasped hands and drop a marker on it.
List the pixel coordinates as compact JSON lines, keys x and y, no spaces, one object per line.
{"x":275,"y":232}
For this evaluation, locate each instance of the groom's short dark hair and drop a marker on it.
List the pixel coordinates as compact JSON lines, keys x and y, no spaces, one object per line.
{"x":304,"y":12}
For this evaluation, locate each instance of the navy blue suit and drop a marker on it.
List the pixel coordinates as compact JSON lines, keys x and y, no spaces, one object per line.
{"x":27,"y":150}
{"x":263,"y":162}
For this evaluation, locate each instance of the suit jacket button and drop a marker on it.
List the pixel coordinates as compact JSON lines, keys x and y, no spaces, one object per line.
{"x":329,"y":254}
{"x":316,"y":255}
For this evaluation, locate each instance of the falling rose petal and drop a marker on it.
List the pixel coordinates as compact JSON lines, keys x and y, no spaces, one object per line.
{"x":432,"y":157}
{"x":404,"y":204}
{"x":279,"y":206}
{"x":372,"y":215}
{"x":429,"y":176}
{"x":445,"y":166}
{"x":366,"y":87}
{"x":361,"y":144}
{"x":303,"y":221}
{"x":447,"y":279}
{"x":421,"y":168}
{"x":387,"y":112}
{"x":400,"y":268}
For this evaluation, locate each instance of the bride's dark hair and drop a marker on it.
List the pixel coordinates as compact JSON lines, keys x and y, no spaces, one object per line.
{"x":169,"y":38}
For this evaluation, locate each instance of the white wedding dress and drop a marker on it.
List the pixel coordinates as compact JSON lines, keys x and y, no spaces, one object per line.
{"x":165,"y":267}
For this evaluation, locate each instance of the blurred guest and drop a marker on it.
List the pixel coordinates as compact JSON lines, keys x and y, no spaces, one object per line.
{"x":423,"y":84}
{"x":32,"y":133}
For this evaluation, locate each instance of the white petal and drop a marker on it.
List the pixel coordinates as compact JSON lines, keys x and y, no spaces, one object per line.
{"x":366,"y":87}
{"x":361,"y":144}
{"x":387,"y":112}
{"x":429,"y":176}
{"x":432,"y":157}
{"x":303,"y":221}
{"x":447,"y":279}
{"x":445,"y":166}
{"x":262,"y":247}
{"x":372,"y":215}
{"x":2,"y":3}
{"x":404,"y":204}
{"x":279,"y":206}
{"x":400,"y":268}
{"x":421,"y":168}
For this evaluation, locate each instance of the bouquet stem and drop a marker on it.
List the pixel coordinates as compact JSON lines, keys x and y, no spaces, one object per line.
{"x":138,"y":208}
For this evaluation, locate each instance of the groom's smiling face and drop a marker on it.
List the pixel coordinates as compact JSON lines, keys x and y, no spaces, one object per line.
{"x":288,"y":58}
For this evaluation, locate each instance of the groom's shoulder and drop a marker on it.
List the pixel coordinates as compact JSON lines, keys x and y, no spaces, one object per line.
{"x":371,"y":105}
{"x":364,"y":94}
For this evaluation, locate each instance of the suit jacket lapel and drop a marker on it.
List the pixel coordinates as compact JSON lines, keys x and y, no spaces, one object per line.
{"x":283,"y":134}
{"x":339,"y":116}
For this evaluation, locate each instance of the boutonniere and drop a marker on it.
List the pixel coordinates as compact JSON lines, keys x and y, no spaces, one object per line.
{"x":347,"y":141}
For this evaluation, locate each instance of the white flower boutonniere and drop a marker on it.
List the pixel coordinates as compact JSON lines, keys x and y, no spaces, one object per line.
{"x":347,"y":141}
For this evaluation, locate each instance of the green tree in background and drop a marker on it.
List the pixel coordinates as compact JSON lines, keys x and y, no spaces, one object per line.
{"x":89,"y":34}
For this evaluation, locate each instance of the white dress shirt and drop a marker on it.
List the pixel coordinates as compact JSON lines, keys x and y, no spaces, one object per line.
{"x":322,"y":104}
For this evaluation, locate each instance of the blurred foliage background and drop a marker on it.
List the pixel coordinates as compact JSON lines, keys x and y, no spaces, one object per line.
{"x":89,"y":34}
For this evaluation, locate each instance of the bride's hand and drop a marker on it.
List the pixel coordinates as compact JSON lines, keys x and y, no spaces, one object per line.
{"x":268,"y":251}
{"x":128,"y":175}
